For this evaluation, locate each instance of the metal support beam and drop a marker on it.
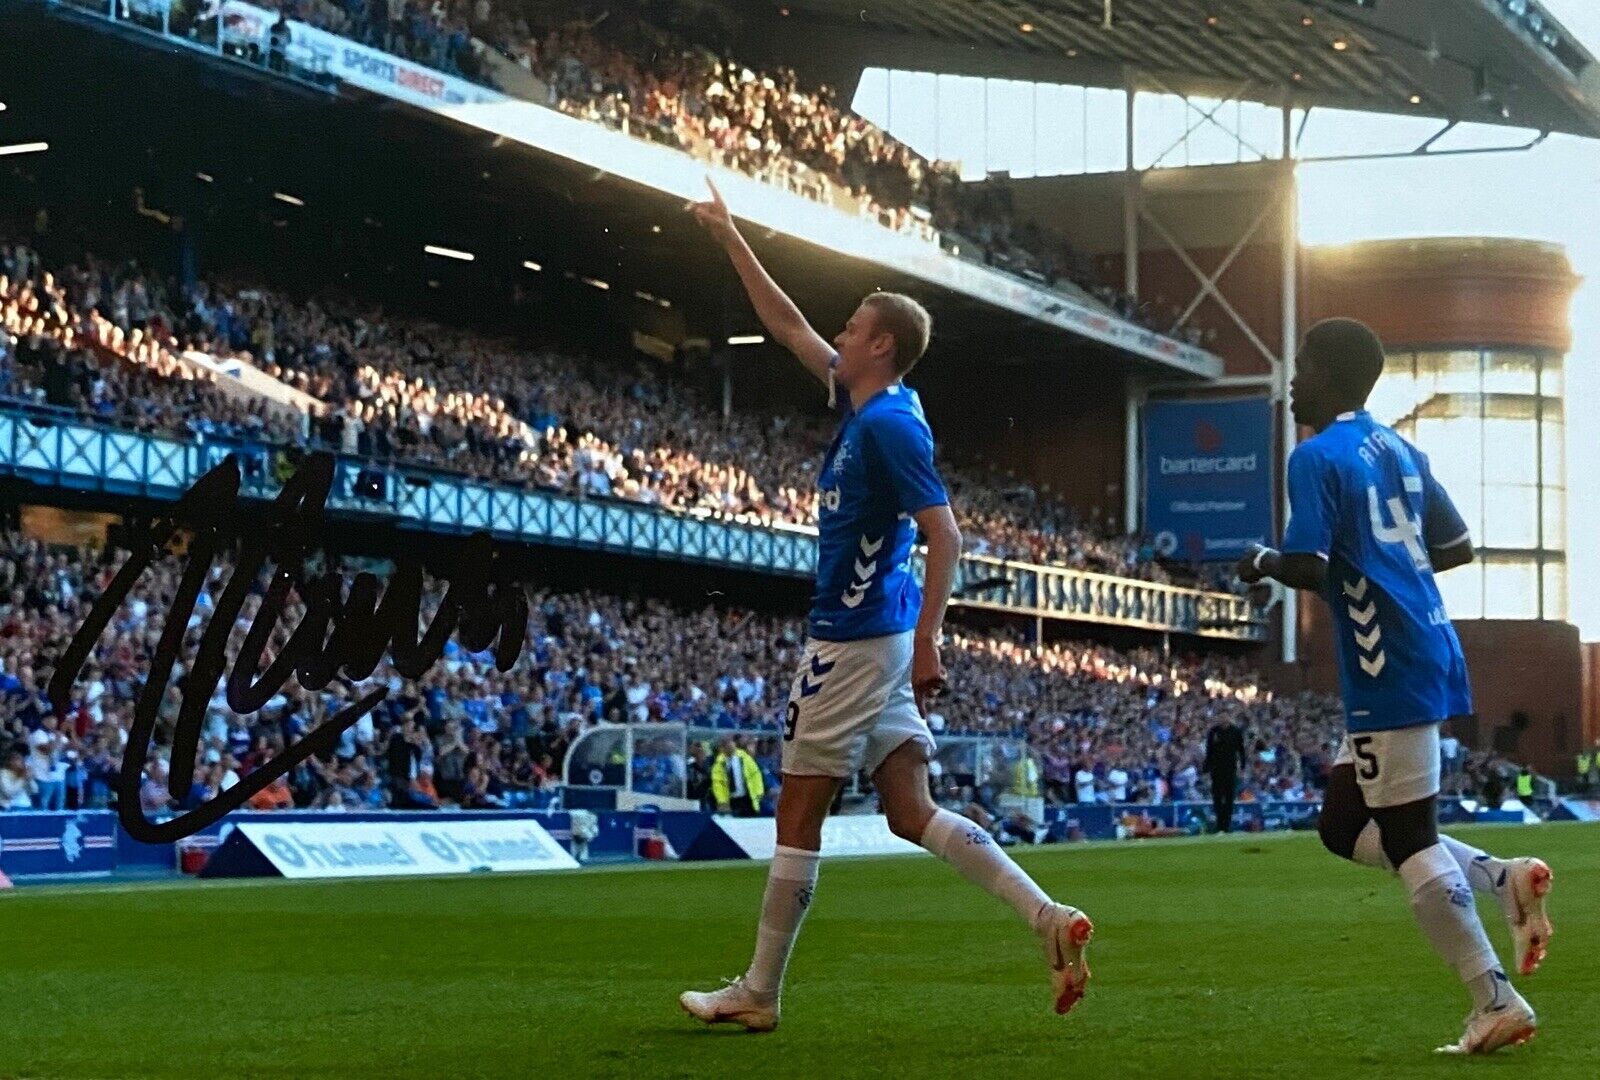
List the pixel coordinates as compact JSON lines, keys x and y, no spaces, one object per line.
{"x":1291,"y":342}
{"x":1424,"y":149}
{"x":1422,"y":152}
{"x":1133,"y":411}
{"x":1132,"y":198}
{"x":1207,"y":118}
{"x":1222,"y":268}
{"x":1268,"y":383}
{"x":1208,"y":286}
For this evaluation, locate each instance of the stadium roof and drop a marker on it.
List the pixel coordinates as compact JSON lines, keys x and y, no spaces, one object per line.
{"x":1489,"y":61}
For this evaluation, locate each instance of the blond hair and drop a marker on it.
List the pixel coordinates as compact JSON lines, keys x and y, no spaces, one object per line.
{"x":905,"y":320}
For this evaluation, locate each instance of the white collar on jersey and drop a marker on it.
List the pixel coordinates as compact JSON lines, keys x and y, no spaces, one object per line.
{"x":1348,"y":415}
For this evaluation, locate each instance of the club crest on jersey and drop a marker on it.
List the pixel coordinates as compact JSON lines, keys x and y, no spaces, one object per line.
{"x":842,"y":458}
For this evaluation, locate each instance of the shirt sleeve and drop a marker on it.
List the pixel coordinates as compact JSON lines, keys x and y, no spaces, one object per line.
{"x":905,"y":450}
{"x":1442,"y":524}
{"x":1312,"y":504}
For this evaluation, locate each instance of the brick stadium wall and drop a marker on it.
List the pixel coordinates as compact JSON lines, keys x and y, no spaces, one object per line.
{"x":1471,"y":293}
{"x":1591,"y":694}
{"x":1063,"y":433}
{"x":1251,"y":286}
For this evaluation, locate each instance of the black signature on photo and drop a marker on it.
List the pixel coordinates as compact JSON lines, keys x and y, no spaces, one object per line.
{"x":341,"y":634}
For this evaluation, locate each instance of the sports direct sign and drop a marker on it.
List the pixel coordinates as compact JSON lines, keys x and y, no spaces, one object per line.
{"x":379,"y":849}
{"x":359,"y":65}
{"x":1208,"y":471}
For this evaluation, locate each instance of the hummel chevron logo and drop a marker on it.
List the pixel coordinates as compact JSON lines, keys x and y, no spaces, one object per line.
{"x":1356,"y":592}
{"x":853,"y":596}
{"x":1365,"y":615}
{"x":870,"y":550}
{"x":818,"y":668}
{"x":1369,"y":641}
{"x":864,"y":572}
{"x":808,"y":688}
{"x":1375,"y":665}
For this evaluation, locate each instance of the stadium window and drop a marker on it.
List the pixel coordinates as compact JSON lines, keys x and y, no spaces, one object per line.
{"x":1511,"y":373}
{"x":1513,"y":443}
{"x":1510,"y":588}
{"x":1554,"y":574}
{"x":1106,"y":125}
{"x":1237,"y":131}
{"x":1493,"y":425}
{"x":909,"y":114}
{"x":998,"y":125}
{"x":1462,"y":591}
{"x":1511,"y":516}
{"x":1553,"y":524}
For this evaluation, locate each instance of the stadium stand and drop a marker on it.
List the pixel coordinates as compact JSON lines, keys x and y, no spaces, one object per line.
{"x":113,"y":341}
{"x":662,"y":77}
{"x":106,"y":340}
{"x":482,"y":738}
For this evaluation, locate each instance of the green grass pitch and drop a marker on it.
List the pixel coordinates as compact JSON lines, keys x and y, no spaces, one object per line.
{"x":1255,"y":957}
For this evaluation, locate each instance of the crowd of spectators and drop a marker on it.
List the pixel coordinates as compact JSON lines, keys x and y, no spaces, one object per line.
{"x":652,"y":81}
{"x":465,"y":734}
{"x":446,"y":35}
{"x":98,"y":338}
{"x":108,"y":340}
{"x":665,"y":74}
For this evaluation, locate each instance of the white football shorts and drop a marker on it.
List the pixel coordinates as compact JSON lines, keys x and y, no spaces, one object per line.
{"x":851,"y":706}
{"x":1393,"y":767}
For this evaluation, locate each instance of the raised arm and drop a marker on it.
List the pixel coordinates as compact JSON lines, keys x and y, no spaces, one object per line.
{"x":777,"y":312}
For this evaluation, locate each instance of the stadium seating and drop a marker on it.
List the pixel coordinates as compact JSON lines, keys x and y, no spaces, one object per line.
{"x":491,"y":739}
{"x":107,"y":340}
{"x":655,"y":81}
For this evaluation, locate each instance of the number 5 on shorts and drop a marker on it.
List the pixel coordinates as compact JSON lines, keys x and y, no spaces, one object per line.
{"x":789,"y":723}
{"x":1360,"y":746}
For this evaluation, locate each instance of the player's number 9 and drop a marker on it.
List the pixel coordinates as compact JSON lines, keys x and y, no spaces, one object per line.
{"x":1369,"y":761}
{"x":789,"y":723}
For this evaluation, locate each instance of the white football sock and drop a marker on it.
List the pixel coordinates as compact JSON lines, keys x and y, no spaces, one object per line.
{"x":1483,"y":872}
{"x":972,"y":851}
{"x":1490,"y":990}
{"x":1441,"y":899}
{"x":791,"y":881}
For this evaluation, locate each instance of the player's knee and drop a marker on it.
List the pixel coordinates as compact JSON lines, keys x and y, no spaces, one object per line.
{"x":1339,"y":830}
{"x":909,"y":821}
{"x":1406,"y":830}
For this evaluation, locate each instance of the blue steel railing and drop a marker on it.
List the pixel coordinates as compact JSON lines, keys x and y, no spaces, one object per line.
{"x":61,"y":449}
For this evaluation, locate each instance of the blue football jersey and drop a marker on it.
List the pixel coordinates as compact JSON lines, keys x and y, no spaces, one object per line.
{"x":878,"y":472}
{"x":1364,"y":499}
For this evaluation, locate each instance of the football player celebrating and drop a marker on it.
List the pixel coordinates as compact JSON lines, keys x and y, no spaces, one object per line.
{"x":1369,"y":527}
{"x":872,"y":658}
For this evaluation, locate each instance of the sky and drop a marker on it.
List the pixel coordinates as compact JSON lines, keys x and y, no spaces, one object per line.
{"x":1551,"y":193}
